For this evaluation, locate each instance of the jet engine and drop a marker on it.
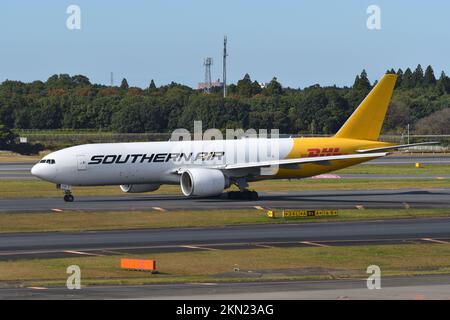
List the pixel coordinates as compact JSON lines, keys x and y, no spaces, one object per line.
{"x":138,"y":188}
{"x":203,"y":182}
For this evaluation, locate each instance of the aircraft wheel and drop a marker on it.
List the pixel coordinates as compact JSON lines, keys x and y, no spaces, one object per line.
{"x":243,"y":195}
{"x":234,"y":195}
{"x":250,"y":195}
{"x":68,"y":198}
{"x":254,"y":195}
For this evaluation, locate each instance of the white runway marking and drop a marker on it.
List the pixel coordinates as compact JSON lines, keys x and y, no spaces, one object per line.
{"x":435,"y":240}
{"x":159,"y":209}
{"x":83,"y":253}
{"x":200,"y":248}
{"x":313,"y":244}
{"x":112,"y":252}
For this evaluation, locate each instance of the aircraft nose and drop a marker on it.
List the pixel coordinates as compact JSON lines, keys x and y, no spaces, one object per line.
{"x":35,"y":170}
{"x":42,"y":171}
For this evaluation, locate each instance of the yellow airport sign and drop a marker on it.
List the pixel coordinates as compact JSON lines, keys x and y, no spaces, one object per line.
{"x":301,"y":213}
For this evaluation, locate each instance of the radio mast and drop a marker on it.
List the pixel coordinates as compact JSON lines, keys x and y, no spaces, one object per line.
{"x":225,"y":54}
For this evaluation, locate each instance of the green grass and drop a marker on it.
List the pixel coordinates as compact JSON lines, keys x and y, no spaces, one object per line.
{"x":14,"y":157}
{"x":38,"y":188}
{"x":338,"y":262}
{"x":113,"y":220}
{"x":396,"y":169}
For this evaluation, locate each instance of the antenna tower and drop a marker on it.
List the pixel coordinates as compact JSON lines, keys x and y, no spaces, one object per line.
{"x":225,"y":54}
{"x":208,"y":63}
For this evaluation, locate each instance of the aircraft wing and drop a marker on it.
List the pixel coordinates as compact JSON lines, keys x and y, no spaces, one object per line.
{"x":284,"y":162}
{"x":396,"y":147}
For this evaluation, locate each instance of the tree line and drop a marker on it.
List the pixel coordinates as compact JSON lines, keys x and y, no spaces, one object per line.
{"x":72,"y":102}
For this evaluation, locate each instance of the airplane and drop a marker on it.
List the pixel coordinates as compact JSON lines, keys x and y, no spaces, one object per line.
{"x":207,"y":168}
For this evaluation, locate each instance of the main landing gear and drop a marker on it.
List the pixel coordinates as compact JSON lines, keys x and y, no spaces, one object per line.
{"x":243,"y":193}
{"x":68,"y":197}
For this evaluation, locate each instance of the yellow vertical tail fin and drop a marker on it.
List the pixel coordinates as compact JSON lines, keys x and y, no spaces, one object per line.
{"x":366,"y":121}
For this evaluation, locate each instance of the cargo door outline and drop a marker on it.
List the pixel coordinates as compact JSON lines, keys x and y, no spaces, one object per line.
{"x":81,"y":162}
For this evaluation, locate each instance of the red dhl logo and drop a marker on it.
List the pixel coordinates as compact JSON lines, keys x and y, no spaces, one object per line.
{"x":323,"y":152}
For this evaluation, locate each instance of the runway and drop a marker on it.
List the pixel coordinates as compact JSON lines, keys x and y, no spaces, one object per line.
{"x":414,"y":288}
{"x":99,"y":243}
{"x":16,"y":170}
{"x":306,"y":199}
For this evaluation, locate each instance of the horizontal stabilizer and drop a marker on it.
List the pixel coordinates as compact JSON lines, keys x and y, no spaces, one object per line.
{"x":400,"y":146}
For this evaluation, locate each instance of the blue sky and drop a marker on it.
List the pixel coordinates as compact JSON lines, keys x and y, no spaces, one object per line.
{"x":300,"y":42}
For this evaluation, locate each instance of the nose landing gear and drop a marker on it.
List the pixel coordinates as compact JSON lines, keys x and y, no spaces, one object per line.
{"x":68,"y":197}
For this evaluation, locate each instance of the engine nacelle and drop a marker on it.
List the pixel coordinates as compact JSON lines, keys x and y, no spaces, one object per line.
{"x":202,"y":182}
{"x":139,"y":188}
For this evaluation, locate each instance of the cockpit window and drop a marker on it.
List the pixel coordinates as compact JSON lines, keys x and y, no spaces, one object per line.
{"x":49,"y":161}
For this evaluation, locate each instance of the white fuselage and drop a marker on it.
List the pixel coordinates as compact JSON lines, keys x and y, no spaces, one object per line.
{"x":151,"y":162}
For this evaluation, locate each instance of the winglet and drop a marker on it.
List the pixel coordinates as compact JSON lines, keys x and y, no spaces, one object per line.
{"x":366,"y":121}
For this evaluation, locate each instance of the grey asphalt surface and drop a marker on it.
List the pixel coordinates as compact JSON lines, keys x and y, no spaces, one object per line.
{"x":414,"y":288}
{"x":306,"y":199}
{"x":16,"y":170}
{"x":56,"y":244}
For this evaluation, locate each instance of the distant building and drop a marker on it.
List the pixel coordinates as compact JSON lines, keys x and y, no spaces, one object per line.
{"x":263,"y":84}
{"x":214,"y":84}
